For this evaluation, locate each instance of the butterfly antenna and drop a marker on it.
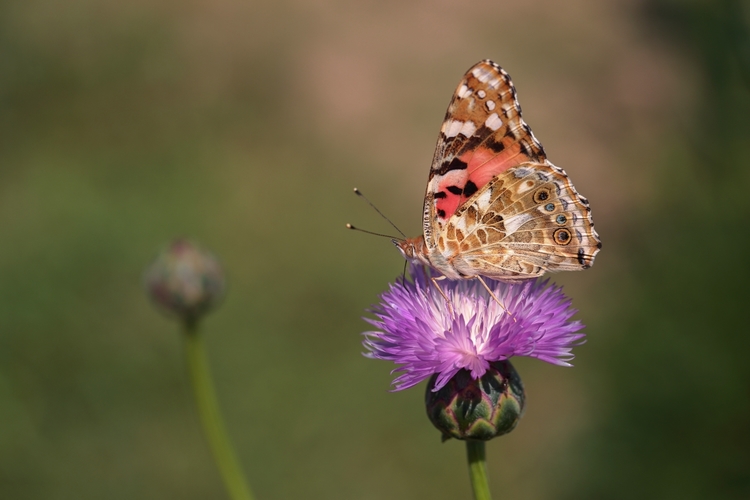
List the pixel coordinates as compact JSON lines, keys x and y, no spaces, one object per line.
{"x":359,"y":193}
{"x":349,"y":226}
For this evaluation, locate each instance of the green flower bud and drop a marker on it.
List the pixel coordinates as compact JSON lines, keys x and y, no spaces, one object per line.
{"x":185,"y":280}
{"x":477,"y":409}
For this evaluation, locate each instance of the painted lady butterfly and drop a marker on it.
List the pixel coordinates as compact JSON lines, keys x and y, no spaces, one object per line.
{"x":494,"y":205}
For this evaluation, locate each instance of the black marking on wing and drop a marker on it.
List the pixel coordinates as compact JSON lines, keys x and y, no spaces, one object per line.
{"x":495,"y":146}
{"x":476,"y":139}
{"x":581,"y":257}
{"x":455,"y":164}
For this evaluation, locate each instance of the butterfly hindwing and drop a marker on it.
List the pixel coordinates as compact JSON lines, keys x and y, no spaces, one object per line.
{"x":526,"y":221}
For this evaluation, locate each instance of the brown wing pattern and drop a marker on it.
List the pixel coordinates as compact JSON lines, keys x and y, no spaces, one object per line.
{"x":526,"y":221}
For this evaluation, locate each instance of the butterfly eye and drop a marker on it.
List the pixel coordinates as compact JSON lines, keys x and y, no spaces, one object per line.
{"x":561,"y":219}
{"x":549,"y":207}
{"x":562,"y":236}
{"x":541,"y":195}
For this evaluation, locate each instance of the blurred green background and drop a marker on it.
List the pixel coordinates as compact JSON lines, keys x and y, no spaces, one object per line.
{"x":245,"y":125}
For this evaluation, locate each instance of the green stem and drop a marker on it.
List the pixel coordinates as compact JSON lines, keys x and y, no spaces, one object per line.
{"x":478,"y":470}
{"x":208,"y":409}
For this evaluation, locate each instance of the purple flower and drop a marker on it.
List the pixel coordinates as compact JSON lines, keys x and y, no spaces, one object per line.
{"x":425,"y":335}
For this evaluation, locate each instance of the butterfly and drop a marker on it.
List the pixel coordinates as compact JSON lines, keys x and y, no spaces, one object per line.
{"x":495,"y":206}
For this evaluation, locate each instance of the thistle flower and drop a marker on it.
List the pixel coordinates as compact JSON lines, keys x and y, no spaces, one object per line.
{"x":425,"y":336}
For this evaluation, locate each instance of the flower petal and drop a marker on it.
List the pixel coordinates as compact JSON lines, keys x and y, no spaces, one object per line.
{"x":424,"y":335}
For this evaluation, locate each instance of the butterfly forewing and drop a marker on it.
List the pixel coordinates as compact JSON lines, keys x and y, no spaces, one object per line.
{"x":482,"y":135}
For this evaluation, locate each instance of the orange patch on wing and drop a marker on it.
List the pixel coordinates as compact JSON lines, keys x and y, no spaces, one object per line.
{"x":485,"y":164}
{"x":451,"y":202}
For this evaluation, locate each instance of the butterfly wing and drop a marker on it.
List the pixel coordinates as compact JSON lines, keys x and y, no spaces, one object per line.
{"x":494,"y":205}
{"x":482,"y":136}
{"x":524,"y":222}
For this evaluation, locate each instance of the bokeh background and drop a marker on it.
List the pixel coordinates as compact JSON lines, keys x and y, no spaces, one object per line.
{"x":245,"y":125}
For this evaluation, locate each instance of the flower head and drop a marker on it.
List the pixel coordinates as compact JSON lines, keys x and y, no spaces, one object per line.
{"x":480,"y":409}
{"x":185,"y":280}
{"x":425,"y":335}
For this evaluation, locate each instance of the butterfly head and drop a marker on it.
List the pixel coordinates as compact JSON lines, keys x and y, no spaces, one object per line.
{"x":413,"y":249}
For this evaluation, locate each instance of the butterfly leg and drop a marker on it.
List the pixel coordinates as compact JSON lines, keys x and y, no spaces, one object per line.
{"x":495,"y":297}
{"x":435,"y":282}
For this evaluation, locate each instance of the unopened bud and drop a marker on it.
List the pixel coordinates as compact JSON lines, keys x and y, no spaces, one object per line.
{"x":185,"y":280}
{"x":477,"y":409}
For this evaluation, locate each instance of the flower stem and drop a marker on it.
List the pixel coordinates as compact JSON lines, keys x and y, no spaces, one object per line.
{"x":478,"y":470}
{"x":208,"y":409}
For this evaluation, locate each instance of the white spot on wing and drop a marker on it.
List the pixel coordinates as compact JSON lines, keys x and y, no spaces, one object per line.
{"x":451,"y":128}
{"x":482,"y":94}
{"x":525,"y":186}
{"x":463,"y":91}
{"x":484,"y":200}
{"x":514,"y":222}
{"x":461,"y":225}
{"x":490,"y":105}
{"x":482,"y":74}
{"x":493,"y":122}
{"x":468,"y":129}
{"x":487,"y":76}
